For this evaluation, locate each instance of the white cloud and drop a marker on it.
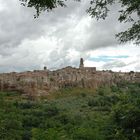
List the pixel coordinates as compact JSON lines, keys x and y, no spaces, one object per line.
{"x":59,"y":38}
{"x":132,"y":62}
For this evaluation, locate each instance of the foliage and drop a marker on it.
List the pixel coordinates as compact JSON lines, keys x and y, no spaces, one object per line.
{"x":87,"y":134}
{"x":129,"y":12}
{"x":43,"y":5}
{"x":109,"y":114}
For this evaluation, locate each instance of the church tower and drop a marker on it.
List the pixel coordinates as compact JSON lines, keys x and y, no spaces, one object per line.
{"x":81,"y":63}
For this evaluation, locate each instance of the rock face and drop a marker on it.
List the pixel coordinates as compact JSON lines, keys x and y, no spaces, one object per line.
{"x":43,"y":82}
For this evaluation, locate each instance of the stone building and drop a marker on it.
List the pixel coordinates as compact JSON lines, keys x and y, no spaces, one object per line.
{"x":42,"y":82}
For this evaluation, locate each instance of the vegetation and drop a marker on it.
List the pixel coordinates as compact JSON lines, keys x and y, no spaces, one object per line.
{"x":129,"y":12}
{"x":107,"y":114}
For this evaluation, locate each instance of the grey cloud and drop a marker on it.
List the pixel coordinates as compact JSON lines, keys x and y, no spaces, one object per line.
{"x":102,"y":33}
{"x":137,"y":67}
{"x":22,"y":60}
{"x":17,"y":25}
{"x":60,"y":59}
{"x":114,"y":64}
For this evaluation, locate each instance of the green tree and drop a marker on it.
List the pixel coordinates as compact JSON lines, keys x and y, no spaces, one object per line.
{"x":129,"y":12}
{"x":99,"y":9}
{"x":43,"y":5}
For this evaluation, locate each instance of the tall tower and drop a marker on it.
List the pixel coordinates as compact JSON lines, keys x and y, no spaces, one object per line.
{"x":81,"y":63}
{"x":45,"y":68}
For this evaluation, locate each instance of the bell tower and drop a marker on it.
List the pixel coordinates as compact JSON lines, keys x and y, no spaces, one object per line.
{"x":81,"y":63}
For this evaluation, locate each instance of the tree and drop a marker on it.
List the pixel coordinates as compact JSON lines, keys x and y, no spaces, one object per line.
{"x":99,"y":9}
{"x":44,"y":5}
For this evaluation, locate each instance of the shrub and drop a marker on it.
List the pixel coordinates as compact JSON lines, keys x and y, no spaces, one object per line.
{"x":98,"y":101}
{"x":31,"y":121}
{"x":25,"y":105}
{"x":114,"y":88}
{"x":83,"y":94}
{"x":87,"y":134}
{"x":93,"y":102}
{"x":64,"y":119}
{"x":104,"y":91}
{"x":26,"y":135}
{"x":51,"y":110}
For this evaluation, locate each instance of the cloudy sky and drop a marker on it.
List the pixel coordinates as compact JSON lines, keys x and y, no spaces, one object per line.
{"x":59,"y":38}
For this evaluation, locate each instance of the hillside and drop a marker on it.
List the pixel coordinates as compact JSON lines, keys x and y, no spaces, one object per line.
{"x":73,"y":114}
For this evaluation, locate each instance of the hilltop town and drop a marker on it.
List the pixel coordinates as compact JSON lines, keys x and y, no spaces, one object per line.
{"x":43,"y":82}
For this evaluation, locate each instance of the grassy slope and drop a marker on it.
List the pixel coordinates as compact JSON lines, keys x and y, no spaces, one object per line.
{"x":72,"y":114}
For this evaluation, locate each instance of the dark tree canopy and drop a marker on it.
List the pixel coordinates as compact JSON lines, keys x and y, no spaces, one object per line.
{"x":99,"y":9}
{"x":44,"y":5}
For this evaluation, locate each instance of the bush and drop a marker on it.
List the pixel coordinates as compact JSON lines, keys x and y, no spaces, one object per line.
{"x":114,"y":88}
{"x":83,"y":94}
{"x":93,"y":102}
{"x":51,"y":110}
{"x":104,"y":91}
{"x":26,"y":135}
{"x":87,"y":134}
{"x":114,"y":116}
{"x":25,"y":105}
{"x":31,"y":121}
{"x":125,"y":115}
{"x":64,"y":119}
{"x":98,"y":101}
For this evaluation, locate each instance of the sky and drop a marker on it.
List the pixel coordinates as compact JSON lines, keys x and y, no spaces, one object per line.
{"x":60,"y":38}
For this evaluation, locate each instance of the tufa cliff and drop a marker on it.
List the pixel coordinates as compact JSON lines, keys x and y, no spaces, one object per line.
{"x":42,"y":82}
